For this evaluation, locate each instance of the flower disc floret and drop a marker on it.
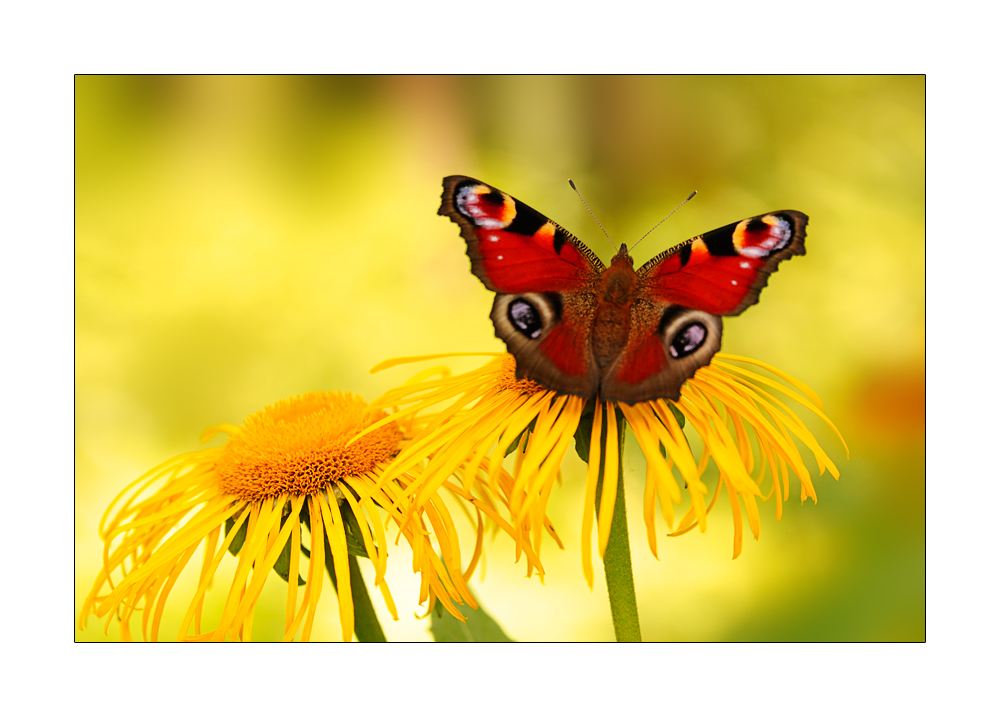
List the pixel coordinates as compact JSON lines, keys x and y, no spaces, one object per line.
{"x":299,"y":446}
{"x":508,"y":381}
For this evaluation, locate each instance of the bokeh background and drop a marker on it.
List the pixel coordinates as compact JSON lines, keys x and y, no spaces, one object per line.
{"x":240,"y":240}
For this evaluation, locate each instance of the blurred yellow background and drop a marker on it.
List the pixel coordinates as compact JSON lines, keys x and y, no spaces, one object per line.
{"x":240,"y":240}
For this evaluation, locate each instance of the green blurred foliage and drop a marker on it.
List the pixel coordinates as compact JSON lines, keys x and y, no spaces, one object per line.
{"x":240,"y":240}
{"x":478,"y":626}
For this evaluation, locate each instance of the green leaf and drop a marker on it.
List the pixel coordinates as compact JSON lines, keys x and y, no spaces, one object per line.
{"x":583,"y":431}
{"x":517,"y":441}
{"x":366,"y":624}
{"x":284,"y":564}
{"x":479,"y":626}
{"x":352,"y":531}
{"x":241,"y":534}
{"x":677,"y":413}
{"x":355,"y":543}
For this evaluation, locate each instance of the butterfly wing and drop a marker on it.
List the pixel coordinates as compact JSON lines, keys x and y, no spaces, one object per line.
{"x":723,"y":271}
{"x":675,"y":327}
{"x":543,"y":276}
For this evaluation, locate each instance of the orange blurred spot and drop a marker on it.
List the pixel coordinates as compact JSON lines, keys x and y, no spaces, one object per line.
{"x":891,"y":407}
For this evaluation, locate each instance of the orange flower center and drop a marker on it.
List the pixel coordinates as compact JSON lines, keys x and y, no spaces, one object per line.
{"x":508,"y":381}
{"x":298,"y":446}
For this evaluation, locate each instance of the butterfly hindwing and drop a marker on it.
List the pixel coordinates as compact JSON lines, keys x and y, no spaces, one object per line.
{"x":544,"y":278}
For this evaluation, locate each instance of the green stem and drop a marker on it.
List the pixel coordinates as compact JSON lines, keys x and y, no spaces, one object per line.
{"x":366,"y":624}
{"x":617,"y":557}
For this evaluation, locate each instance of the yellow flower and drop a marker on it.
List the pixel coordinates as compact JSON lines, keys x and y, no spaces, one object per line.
{"x":292,"y":464}
{"x":728,"y":407}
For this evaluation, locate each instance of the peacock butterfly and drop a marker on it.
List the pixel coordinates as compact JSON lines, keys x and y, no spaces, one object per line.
{"x":578,"y":327}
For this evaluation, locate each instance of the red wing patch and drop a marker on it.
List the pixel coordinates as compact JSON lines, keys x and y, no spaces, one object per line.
{"x":647,"y":358}
{"x":667,"y":344}
{"x":723,"y":271}
{"x":513,"y":248}
{"x":549,"y":335}
{"x":566,"y":347}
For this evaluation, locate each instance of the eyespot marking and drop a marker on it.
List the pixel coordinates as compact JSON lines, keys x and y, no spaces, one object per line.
{"x":525,"y":318}
{"x":688,"y":340}
{"x":762,"y":236}
{"x":485,"y":207}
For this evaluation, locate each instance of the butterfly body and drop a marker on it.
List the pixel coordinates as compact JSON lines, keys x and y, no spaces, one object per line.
{"x":578,"y":327}
{"x":617,"y":294}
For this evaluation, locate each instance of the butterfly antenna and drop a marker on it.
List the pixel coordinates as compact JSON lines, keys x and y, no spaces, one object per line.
{"x":665,"y":219}
{"x":591,"y":212}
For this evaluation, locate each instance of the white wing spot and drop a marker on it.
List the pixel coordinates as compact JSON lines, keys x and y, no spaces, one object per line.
{"x":500,"y":256}
{"x":734,"y":282}
{"x":743,"y":264}
{"x":494,"y":237}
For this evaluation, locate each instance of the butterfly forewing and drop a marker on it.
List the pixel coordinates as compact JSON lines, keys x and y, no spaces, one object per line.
{"x":723,"y":271}
{"x":514,"y":248}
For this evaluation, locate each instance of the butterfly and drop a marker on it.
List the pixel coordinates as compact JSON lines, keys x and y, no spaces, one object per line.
{"x":577,"y":327}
